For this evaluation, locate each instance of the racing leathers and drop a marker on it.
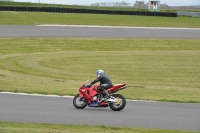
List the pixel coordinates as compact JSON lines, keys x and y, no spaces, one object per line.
{"x":105,"y":83}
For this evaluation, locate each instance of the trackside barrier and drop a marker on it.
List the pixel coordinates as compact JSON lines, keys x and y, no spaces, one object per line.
{"x":91,"y":11}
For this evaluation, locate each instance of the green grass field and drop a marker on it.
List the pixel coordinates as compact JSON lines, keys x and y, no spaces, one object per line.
{"x":154,"y":69}
{"x":8,"y":127}
{"x":35,"y":18}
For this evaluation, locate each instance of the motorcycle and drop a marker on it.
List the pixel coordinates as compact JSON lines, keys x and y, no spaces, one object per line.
{"x":93,"y":97}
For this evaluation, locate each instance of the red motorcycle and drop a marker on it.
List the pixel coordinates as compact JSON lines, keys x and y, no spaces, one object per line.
{"x":93,"y":97}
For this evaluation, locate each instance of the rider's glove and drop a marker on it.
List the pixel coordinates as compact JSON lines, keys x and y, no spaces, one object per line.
{"x":89,"y":85}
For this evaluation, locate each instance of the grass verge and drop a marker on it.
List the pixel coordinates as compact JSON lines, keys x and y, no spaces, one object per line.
{"x":11,"y":127}
{"x":35,"y":18}
{"x":154,"y":69}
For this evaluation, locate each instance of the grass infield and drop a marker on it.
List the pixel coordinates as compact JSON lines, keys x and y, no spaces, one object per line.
{"x":153,"y":69}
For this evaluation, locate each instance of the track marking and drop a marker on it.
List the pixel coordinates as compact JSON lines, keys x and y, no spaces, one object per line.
{"x":126,"y":27}
{"x":34,"y":94}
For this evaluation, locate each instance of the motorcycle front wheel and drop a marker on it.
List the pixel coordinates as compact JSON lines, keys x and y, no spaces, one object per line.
{"x":119,"y":104}
{"x":79,"y":103}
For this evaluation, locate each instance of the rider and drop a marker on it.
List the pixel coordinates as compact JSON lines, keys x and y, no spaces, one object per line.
{"x":105,"y":82}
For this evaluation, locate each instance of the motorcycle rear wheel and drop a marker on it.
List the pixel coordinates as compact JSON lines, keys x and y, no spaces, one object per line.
{"x":79,"y":103}
{"x":120,"y":104}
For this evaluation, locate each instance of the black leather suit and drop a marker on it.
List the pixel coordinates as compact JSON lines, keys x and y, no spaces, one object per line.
{"x":105,"y":81}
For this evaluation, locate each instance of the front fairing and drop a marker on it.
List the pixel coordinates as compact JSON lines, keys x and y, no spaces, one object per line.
{"x":81,"y":91}
{"x":88,"y":93}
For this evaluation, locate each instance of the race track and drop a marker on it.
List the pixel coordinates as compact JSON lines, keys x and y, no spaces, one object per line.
{"x":97,"y":32}
{"x":60,"y":110}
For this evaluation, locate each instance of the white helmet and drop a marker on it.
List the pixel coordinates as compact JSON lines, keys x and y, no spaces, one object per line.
{"x":99,"y":72}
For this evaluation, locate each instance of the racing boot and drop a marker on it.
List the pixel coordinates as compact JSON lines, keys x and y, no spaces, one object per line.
{"x":100,"y":98}
{"x":106,"y":94}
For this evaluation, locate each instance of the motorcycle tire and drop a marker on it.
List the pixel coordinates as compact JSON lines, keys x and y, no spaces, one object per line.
{"x":83,"y":103}
{"x":117,"y":106}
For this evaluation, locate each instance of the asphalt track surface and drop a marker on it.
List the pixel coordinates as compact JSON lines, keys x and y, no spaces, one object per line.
{"x":97,"y":32}
{"x":60,"y":110}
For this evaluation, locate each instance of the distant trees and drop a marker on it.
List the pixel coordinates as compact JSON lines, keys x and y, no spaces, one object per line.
{"x":116,"y":4}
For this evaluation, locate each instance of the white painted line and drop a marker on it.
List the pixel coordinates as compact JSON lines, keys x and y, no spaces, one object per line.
{"x":127,"y":27}
{"x":34,"y":94}
{"x":41,"y":95}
